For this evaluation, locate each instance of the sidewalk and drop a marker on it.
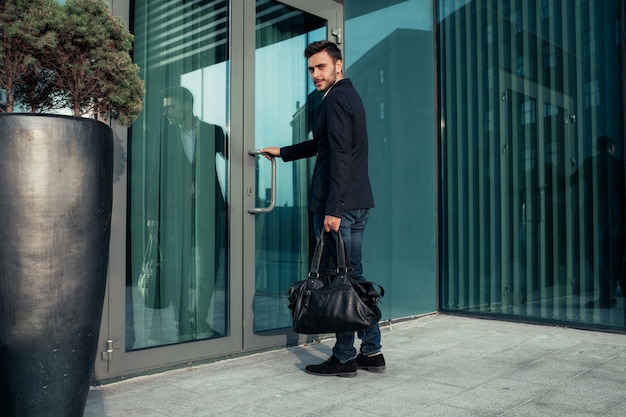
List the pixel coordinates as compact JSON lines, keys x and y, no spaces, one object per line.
{"x":437,"y":365}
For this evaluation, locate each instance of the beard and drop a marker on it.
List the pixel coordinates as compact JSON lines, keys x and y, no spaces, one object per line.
{"x":327,"y":83}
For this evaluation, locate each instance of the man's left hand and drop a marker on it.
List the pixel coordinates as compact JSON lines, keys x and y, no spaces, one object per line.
{"x":332,"y":223}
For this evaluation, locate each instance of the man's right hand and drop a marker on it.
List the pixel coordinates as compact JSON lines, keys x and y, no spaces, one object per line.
{"x":271,"y":151}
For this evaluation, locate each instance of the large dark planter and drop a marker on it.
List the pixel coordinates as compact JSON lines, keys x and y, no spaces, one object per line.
{"x":55,"y":211}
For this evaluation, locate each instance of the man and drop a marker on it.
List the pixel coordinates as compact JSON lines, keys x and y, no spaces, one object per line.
{"x":603,"y":178}
{"x":340,"y":194}
{"x":192,"y":212}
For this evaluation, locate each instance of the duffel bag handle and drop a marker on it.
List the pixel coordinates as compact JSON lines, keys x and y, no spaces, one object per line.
{"x":343,"y":261}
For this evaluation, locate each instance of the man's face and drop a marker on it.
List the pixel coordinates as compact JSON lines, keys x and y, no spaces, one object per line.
{"x":324,"y":73}
{"x":173,"y":110}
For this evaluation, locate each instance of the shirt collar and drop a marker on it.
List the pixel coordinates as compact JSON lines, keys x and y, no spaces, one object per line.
{"x":331,"y":87}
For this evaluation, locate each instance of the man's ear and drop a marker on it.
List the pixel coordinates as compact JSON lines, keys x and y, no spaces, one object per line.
{"x":339,"y":65}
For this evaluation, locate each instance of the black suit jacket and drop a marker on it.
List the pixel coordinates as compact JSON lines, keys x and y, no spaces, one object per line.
{"x":603,"y":179}
{"x":340,"y":179}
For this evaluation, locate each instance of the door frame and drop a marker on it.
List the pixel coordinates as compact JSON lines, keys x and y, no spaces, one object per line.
{"x":332,"y":12}
{"x":113,"y":362}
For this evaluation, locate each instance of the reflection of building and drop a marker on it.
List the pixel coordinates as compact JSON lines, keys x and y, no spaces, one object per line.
{"x":401,"y":128}
{"x":525,"y":91}
{"x":302,"y":124}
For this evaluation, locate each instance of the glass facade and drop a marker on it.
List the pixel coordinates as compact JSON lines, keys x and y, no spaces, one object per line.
{"x":496,"y":132}
{"x":532,"y":148}
{"x":389,"y":55}
{"x":177,"y":285}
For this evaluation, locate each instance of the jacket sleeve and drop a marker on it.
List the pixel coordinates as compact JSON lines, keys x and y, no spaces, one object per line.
{"x":300,"y":150}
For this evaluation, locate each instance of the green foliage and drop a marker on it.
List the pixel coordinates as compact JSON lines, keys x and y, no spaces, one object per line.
{"x":80,"y":60}
{"x":27,"y":34}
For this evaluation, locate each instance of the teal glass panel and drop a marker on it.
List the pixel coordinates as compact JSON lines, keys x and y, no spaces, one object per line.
{"x":177,"y":288}
{"x":285,"y":105}
{"x":389,"y":55}
{"x":532,"y":148}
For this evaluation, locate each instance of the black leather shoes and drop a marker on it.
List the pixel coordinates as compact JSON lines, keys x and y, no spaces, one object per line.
{"x":332,"y":367}
{"x":374,"y":363}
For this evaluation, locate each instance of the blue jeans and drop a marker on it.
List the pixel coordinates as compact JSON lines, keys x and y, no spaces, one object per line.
{"x":351,"y":229}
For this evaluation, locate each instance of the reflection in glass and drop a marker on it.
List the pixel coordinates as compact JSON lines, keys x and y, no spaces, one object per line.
{"x":285,"y":107}
{"x":602,"y":181}
{"x":532,"y":209}
{"x":178,"y":153}
{"x":389,"y":57}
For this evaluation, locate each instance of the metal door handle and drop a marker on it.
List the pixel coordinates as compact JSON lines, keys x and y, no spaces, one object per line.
{"x":255,"y":210}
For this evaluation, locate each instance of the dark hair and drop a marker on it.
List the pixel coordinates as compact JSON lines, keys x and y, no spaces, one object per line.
{"x":178,"y":93}
{"x":316,"y":47}
{"x":604,"y":143}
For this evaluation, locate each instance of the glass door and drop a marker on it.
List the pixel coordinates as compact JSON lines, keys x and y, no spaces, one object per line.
{"x":277,"y":236}
{"x":200,"y":265}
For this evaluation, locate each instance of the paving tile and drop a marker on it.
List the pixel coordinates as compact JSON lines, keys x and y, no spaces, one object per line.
{"x":437,"y":366}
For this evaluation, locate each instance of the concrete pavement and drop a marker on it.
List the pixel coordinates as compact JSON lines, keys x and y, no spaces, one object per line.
{"x":437,"y":365}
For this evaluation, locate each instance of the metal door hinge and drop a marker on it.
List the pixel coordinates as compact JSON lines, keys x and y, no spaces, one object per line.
{"x":111,"y":345}
{"x":337,"y":34}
